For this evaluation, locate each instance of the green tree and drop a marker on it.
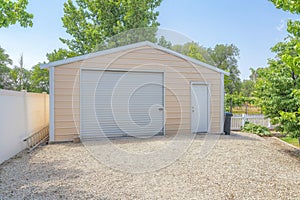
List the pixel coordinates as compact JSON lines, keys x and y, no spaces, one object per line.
{"x":225,"y":57}
{"x":292,"y":6}
{"x":91,"y":23}
{"x":233,"y":100}
{"x":4,"y":69}
{"x":253,"y":76}
{"x":39,"y":79}
{"x":193,"y":50}
{"x":248,"y":85}
{"x":247,"y":88}
{"x":4,"y":58}
{"x":60,"y":54}
{"x":278,"y":85}
{"x":4,"y":77}
{"x":12,"y":12}
{"x":19,"y":79}
{"x":129,"y":37}
{"x":164,"y":43}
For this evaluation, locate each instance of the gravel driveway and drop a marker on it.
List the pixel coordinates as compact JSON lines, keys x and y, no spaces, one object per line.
{"x":240,"y":166}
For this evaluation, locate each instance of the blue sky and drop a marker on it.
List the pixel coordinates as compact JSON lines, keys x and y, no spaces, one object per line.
{"x":253,"y":26}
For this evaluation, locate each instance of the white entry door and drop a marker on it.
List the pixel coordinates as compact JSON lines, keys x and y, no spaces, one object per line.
{"x":118,"y":103}
{"x":199,"y":108}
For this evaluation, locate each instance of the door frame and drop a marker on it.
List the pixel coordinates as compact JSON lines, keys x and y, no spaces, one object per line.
{"x":208,"y":104}
{"x":123,"y":70}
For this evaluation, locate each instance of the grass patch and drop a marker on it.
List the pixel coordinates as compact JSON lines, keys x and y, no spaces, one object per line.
{"x":292,"y":141}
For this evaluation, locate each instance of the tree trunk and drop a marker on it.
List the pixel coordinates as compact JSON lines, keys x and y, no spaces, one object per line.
{"x":230,"y":110}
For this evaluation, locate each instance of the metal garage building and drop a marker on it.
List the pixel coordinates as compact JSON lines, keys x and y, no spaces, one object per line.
{"x":138,"y":90}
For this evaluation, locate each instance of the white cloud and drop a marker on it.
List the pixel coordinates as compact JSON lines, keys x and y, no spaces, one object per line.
{"x":281,"y":25}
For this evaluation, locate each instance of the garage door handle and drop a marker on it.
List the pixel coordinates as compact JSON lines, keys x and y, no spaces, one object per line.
{"x":161,"y":109}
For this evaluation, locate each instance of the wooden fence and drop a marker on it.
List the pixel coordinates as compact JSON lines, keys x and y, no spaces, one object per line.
{"x":238,"y":121}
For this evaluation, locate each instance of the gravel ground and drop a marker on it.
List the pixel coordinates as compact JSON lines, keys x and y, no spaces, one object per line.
{"x":240,"y":166}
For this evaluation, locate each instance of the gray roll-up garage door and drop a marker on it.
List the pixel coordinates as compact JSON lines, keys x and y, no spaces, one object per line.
{"x":117,"y":103}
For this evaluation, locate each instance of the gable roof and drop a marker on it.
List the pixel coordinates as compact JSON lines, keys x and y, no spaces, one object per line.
{"x":127,"y":47}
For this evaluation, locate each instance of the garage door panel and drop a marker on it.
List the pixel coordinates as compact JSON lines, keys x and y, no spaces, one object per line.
{"x":121,"y":103}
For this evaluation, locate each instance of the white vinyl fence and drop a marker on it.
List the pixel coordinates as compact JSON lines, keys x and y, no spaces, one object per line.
{"x":238,"y":120}
{"x":21,"y":114}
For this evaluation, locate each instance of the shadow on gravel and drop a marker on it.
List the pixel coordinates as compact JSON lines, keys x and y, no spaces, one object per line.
{"x":168,"y":138}
{"x":294,"y":153}
{"x":232,"y":136}
{"x":235,"y":136}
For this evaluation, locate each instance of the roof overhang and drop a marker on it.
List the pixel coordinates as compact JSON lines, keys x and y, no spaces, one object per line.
{"x":127,"y":47}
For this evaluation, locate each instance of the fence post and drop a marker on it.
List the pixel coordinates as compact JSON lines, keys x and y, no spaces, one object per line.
{"x":243,"y":119}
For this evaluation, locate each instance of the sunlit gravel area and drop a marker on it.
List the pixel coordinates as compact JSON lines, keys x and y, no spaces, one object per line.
{"x":239,"y":166}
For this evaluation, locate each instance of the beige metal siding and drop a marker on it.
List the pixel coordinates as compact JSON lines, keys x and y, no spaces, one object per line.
{"x":179,"y":74}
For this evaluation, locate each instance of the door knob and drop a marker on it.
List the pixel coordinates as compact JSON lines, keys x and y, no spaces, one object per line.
{"x":161,"y":109}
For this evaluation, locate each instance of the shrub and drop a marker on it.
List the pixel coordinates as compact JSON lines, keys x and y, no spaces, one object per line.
{"x":256,"y":129}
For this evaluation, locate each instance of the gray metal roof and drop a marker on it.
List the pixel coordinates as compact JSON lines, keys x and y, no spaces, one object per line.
{"x":127,"y":47}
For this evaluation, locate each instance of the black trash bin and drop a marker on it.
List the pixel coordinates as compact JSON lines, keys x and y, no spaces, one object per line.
{"x":227,"y":123}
